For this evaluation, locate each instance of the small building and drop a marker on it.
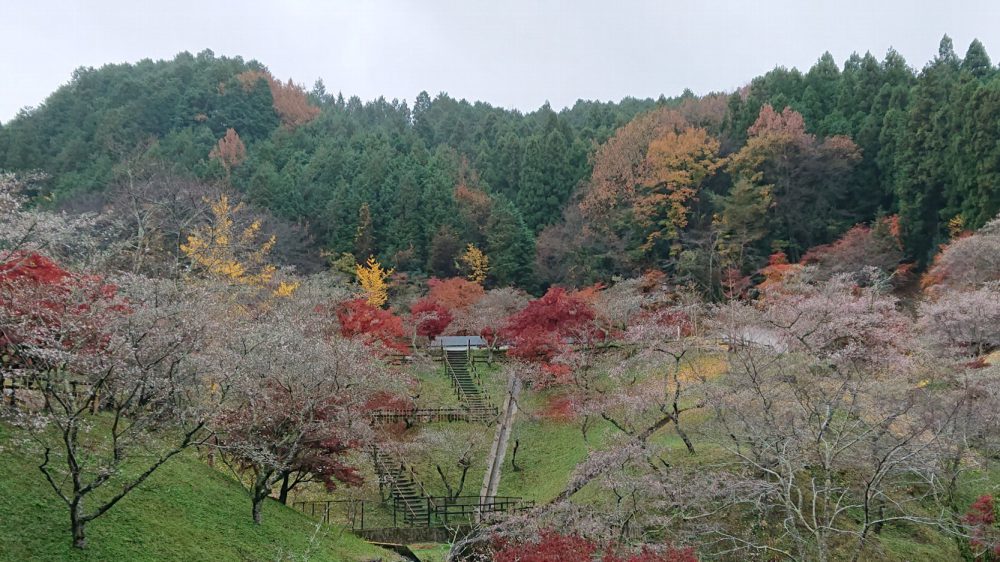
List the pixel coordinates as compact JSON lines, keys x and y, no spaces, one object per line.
{"x":458,"y":342}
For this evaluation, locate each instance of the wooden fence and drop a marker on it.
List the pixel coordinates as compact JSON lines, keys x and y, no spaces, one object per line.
{"x":429,"y":415}
{"x":443,"y":511}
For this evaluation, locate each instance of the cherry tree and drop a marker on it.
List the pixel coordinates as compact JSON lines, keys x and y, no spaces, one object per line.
{"x":128,"y":349}
{"x":833,"y":405}
{"x":488,"y":315}
{"x":967,"y":261}
{"x":300,"y":402}
{"x":963,"y":321}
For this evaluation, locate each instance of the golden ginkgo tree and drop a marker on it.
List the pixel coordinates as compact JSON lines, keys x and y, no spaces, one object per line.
{"x":477,"y":263}
{"x":222,"y":250}
{"x":373,"y":279}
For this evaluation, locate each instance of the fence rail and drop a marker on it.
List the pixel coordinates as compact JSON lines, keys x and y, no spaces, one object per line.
{"x":359,"y":514}
{"x":428,"y":415}
{"x":77,"y":388}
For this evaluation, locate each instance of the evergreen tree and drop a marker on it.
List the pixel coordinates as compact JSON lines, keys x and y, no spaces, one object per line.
{"x":511,"y":246}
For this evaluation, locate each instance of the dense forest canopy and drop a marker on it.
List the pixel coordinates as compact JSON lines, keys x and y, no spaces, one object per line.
{"x":706,"y":188}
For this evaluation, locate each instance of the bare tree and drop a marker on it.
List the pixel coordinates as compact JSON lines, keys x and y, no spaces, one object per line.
{"x":834,"y":422}
{"x":121,"y":388}
{"x":300,"y":403}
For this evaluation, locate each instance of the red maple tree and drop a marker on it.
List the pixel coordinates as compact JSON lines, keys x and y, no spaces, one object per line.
{"x":429,"y":317}
{"x":551,"y":326}
{"x":358,"y":319}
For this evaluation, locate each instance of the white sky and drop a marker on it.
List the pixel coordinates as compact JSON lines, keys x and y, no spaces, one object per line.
{"x":511,"y":53}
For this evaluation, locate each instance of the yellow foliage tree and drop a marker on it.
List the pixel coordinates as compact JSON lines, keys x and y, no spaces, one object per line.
{"x":373,"y":277}
{"x":477,"y":263}
{"x":220,"y":251}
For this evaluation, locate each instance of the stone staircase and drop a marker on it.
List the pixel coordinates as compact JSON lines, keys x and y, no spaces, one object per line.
{"x":408,"y":496}
{"x":457,"y":366}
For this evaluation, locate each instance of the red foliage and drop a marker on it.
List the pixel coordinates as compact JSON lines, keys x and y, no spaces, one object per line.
{"x":734,"y":283}
{"x":33,"y":268}
{"x":322,"y":451}
{"x":775,"y":271}
{"x":359,"y":319}
{"x":677,"y":323}
{"x":49,"y":306}
{"x":548,"y":325}
{"x":454,"y":293}
{"x":588,"y":294}
{"x":982,"y":518}
{"x":561,"y":408}
{"x":651,"y":280}
{"x":391,"y":402}
{"x":552,"y":546}
{"x":879,"y":245}
{"x":383,"y":400}
{"x":977,"y":363}
{"x":788,"y":123}
{"x":430,"y":317}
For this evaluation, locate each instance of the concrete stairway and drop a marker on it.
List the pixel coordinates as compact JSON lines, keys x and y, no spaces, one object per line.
{"x":456,"y":365}
{"x":407,"y":493}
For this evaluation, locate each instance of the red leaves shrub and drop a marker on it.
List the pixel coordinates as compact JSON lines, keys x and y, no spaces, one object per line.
{"x":42,"y":304}
{"x":322,"y":450}
{"x":359,"y":319}
{"x":982,"y":518}
{"x":879,"y":246}
{"x":548,"y":328}
{"x":552,"y":546}
{"x":776,"y":270}
{"x":430,"y":317}
{"x":546,"y":325}
{"x":454,"y":293}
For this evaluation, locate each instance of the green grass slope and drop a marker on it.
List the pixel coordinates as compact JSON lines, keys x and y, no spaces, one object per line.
{"x":186,"y":511}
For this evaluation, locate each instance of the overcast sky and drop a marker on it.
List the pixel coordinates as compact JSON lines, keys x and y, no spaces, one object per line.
{"x":512,"y":53}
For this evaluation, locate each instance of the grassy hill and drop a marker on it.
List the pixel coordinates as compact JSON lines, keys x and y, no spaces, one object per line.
{"x":187,"y":511}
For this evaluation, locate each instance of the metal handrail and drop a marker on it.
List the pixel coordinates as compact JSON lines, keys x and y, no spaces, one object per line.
{"x":394,"y":484}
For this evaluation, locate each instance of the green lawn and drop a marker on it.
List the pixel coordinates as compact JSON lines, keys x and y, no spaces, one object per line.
{"x":185,"y":511}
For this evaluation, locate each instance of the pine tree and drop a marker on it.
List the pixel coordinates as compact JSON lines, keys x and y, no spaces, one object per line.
{"x":511,"y":246}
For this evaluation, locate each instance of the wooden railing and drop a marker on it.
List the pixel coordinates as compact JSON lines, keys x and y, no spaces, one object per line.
{"x":328,"y":510}
{"x":429,"y":415}
{"x":441,"y":510}
{"x":76,"y":388}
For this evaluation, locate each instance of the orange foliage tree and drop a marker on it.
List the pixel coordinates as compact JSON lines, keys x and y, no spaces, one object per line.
{"x":290,"y":100}
{"x":229,"y":151}
{"x":678,"y":164}
{"x":455,"y":293}
{"x":647,"y":174}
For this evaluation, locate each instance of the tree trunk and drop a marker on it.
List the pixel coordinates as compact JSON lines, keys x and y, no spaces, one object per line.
{"x":461,"y":482}
{"x":261,"y":489}
{"x":683,"y":435}
{"x":513,"y":456}
{"x":283,"y":494}
{"x":444,"y":480}
{"x":77,"y":526}
{"x":258,"y":505}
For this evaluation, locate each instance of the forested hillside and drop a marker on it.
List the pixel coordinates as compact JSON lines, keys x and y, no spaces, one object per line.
{"x":705,"y":188}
